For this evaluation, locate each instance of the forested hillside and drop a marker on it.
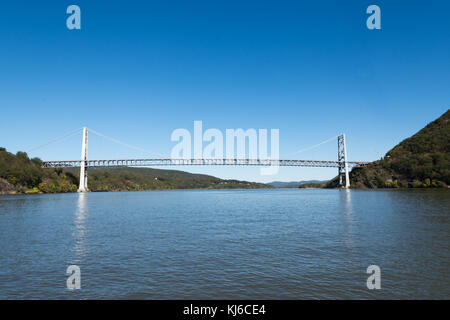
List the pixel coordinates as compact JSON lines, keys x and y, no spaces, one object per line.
{"x":19,"y":174}
{"x":423,"y":160}
{"x":125,"y":178}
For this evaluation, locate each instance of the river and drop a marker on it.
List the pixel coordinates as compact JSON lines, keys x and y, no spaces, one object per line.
{"x":226,"y":244}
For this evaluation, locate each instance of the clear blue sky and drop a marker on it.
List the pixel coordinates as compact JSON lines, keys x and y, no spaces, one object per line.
{"x":137,"y":70}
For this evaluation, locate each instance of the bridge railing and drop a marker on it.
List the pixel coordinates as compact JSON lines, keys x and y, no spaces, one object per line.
{"x":188,"y":162}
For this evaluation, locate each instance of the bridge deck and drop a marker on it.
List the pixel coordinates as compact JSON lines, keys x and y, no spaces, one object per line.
{"x":188,"y":162}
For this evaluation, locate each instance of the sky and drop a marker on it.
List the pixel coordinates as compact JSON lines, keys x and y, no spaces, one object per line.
{"x":138,"y":70}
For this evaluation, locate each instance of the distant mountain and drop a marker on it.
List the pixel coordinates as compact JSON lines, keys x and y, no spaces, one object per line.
{"x":420,"y":161}
{"x":294,"y":184}
{"x":19,"y":174}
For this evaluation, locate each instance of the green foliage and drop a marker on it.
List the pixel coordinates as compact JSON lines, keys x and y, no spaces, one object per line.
{"x":133,"y":179}
{"x":32,"y":191}
{"x":417,"y":184}
{"x":313,"y":185}
{"x":28,"y":176}
{"x":421,"y":161}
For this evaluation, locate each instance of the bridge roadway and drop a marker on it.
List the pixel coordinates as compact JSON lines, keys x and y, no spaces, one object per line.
{"x":189,"y":162}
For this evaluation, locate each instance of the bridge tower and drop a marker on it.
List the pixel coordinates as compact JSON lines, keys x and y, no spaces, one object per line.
{"x":343,"y":164}
{"x":83,"y":165}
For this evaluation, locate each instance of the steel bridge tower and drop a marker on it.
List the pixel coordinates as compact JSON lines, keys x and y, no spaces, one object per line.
{"x":83,"y":165}
{"x":343,"y":163}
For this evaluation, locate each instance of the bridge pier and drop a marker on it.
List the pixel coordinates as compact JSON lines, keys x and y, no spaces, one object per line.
{"x":343,"y":163}
{"x":83,"y":187}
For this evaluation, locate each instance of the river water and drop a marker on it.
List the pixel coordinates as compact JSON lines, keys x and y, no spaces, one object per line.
{"x":226,"y":244}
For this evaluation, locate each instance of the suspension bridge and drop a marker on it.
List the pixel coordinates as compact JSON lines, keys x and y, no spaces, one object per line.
{"x":342,"y":164}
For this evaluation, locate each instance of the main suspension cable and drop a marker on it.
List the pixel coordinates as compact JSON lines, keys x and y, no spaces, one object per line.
{"x":123,"y":143}
{"x":67,"y":135}
{"x":314,"y":146}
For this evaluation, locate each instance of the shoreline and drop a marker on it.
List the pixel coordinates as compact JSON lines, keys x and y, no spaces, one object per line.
{"x":14,"y":193}
{"x":9,"y":193}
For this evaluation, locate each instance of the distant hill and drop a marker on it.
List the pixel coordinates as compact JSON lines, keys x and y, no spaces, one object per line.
{"x":126,"y":178}
{"x":421,"y":161}
{"x":294,"y":184}
{"x":19,"y":174}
